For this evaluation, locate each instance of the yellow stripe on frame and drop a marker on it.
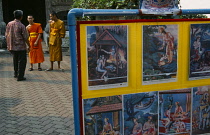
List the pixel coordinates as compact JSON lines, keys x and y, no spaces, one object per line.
{"x":135,"y":61}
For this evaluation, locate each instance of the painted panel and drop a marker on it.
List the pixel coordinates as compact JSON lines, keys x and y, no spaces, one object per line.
{"x":103,"y":115}
{"x":201,"y":110}
{"x":175,"y":112}
{"x":199,"y":51}
{"x":160,"y":43}
{"x":140,"y":113}
{"x":107,"y":56}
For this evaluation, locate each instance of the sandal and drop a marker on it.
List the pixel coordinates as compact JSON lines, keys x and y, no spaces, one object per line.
{"x":49,"y":69}
{"x":40,"y":69}
{"x":30,"y":69}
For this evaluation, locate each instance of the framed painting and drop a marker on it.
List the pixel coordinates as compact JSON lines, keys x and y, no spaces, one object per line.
{"x":107,"y":56}
{"x":160,"y":45}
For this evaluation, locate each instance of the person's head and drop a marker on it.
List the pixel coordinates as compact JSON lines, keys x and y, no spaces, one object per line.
{"x":162,"y":30}
{"x":149,"y":118}
{"x":30,"y":19}
{"x":106,"y":119}
{"x":18,"y":14}
{"x":102,"y":57}
{"x":169,"y":107}
{"x":198,"y":39}
{"x":113,"y":49}
{"x":177,"y":103}
{"x":53,"y":16}
{"x":134,"y":120}
{"x":206,"y":95}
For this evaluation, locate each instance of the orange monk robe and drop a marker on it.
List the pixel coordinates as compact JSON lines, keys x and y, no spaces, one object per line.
{"x":36,"y":53}
{"x":57,"y":31}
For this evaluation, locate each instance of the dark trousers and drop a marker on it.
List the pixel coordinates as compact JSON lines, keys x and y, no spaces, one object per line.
{"x":19,"y":62}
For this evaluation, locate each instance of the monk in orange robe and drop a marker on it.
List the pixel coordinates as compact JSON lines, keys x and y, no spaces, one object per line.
{"x":57,"y":31}
{"x":36,"y":54}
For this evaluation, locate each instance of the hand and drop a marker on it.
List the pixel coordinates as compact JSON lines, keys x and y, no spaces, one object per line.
{"x":35,"y":44}
{"x":28,"y":50}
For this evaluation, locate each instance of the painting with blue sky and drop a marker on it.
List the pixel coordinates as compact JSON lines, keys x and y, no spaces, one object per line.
{"x":175,"y":112}
{"x":103,"y":115}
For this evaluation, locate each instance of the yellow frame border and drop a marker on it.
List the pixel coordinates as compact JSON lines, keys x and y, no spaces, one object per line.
{"x":135,"y":60}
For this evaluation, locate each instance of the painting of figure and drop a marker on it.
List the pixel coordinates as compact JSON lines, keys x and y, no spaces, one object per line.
{"x":199,"y":51}
{"x":103,"y":116}
{"x":175,"y":112}
{"x":107,"y":56}
{"x":201,"y":110}
{"x":160,"y":43}
{"x":140,"y":114}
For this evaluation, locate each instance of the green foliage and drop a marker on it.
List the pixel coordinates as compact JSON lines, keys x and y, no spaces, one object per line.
{"x":193,"y":16}
{"x":105,"y":4}
{"x":122,"y":4}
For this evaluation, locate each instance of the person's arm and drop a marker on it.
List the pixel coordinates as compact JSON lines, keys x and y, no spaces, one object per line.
{"x":36,"y":42}
{"x":25,"y":37}
{"x":145,"y":127}
{"x":111,"y":127}
{"x":171,"y":36}
{"x":6,"y":35}
{"x":181,"y":110}
{"x":40,"y":31}
{"x":105,"y":51}
{"x":62,"y":32}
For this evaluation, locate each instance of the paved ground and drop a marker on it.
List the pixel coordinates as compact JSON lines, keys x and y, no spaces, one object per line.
{"x":41,"y":105}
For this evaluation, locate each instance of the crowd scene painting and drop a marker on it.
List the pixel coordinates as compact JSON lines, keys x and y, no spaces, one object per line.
{"x":199,"y":51}
{"x":107,"y":56}
{"x":160,"y":43}
{"x":174,"y":112}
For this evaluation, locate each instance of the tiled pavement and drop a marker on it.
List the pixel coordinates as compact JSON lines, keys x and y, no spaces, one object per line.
{"x":41,"y":105}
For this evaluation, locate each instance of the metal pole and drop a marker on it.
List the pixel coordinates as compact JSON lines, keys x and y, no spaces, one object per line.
{"x":74,"y":71}
{"x":195,"y":11}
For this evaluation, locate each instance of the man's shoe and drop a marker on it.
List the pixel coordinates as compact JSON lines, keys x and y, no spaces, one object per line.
{"x":21,"y":79}
{"x":30,"y":69}
{"x":15,"y":76}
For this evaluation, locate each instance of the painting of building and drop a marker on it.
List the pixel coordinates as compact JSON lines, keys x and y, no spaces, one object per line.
{"x":103,"y":115}
{"x":107,"y":56}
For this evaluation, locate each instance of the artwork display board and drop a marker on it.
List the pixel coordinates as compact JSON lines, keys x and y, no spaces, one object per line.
{"x":174,"y":112}
{"x":144,"y":76}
